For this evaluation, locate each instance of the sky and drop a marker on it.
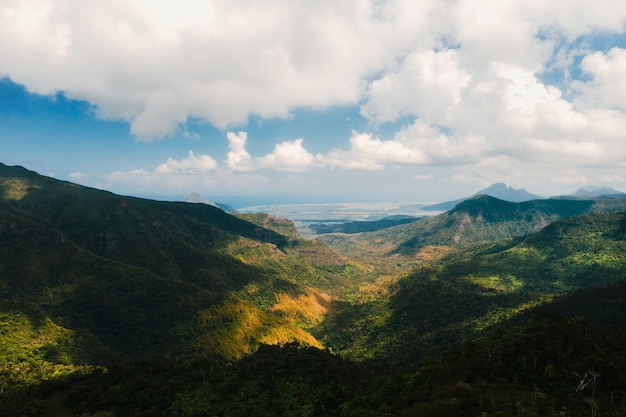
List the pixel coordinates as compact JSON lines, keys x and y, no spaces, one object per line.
{"x":268,"y":101}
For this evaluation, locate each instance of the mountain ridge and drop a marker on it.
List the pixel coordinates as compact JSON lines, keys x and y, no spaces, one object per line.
{"x":478,"y":220}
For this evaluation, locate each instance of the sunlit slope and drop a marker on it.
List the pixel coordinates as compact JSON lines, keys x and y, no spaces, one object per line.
{"x":436,"y":307}
{"x":144,"y":277}
{"x":577,"y":252}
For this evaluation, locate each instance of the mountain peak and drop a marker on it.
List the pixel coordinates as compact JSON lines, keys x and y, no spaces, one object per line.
{"x":504,"y":192}
{"x":595,"y":191}
{"x":498,"y":190}
{"x":197,"y":198}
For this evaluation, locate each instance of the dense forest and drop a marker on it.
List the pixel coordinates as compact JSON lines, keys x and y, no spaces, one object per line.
{"x":119,"y":306}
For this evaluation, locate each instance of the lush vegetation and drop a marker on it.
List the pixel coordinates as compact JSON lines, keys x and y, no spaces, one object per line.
{"x":549,"y":366}
{"x":136,"y":277}
{"x":118,"y":306}
{"x":437,"y":306}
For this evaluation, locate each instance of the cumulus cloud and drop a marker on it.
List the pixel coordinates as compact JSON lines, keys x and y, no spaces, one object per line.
{"x":371,"y":153}
{"x":606,"y":87}
{"x":76,"y":175}
{"x":477,"y":84}
{"x":288,"y":156}
{"x":192,"y":164}
{"x":179,"y":177}
{"x":427,"y":84}
{"x":238,"y":159}
{"x":156,"y":64}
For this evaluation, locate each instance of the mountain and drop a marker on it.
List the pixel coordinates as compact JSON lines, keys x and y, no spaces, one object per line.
{"x":479,"y":220}
{"x":596,"y":192}
{"x":115,"y":306}
{"x":197,"y":198}
{"x":498,"y":190}
{"x":123,"y":277}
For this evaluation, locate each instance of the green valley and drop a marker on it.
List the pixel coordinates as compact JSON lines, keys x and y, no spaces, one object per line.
{"x":120,"y":306}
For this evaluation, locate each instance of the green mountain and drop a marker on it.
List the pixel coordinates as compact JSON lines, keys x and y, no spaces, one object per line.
{"x":479,"y":220}
{"x":96,"y":276}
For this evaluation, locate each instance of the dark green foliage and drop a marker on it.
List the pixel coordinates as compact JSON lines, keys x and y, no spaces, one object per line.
{"x":290,"y":381}
{"x":436,"y":307}
{"x":606,"y":305}
{"x":417,"y":320}
{"x":550,"y":366}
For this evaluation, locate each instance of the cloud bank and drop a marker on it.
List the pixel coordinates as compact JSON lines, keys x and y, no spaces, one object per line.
{"x":499,"y":84}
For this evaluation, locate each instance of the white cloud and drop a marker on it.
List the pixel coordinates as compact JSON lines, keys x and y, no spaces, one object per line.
{"x":238,"y":159}
{"x":427,"y":85}
{"x":192,"y":164}
{"x":178,"y":182}
{"x":288,"y":156}
{"x":367,"y":152}
{"x":156,"y":64}
{"x":74,"y":175}
{"x":606,"y":87}
{"x":480,"y":85}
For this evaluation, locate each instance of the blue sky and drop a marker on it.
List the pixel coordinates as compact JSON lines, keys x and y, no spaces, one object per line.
{"x":325,"y":101}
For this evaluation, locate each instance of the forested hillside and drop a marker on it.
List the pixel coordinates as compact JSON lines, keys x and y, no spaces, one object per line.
{"x":140,"y":277}
{"x":119,"y":306}
{"x":437,"y":306}
{"x":478,"y":220}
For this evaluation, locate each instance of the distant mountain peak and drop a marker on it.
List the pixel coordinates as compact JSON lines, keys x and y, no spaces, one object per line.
{"x":595,"y":191}
{"x":199,"y":199}
{"x":498,"y":190}
{"x":504,"y":192}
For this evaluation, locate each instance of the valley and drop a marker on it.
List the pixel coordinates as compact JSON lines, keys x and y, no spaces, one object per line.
{"x":119,"y":306}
